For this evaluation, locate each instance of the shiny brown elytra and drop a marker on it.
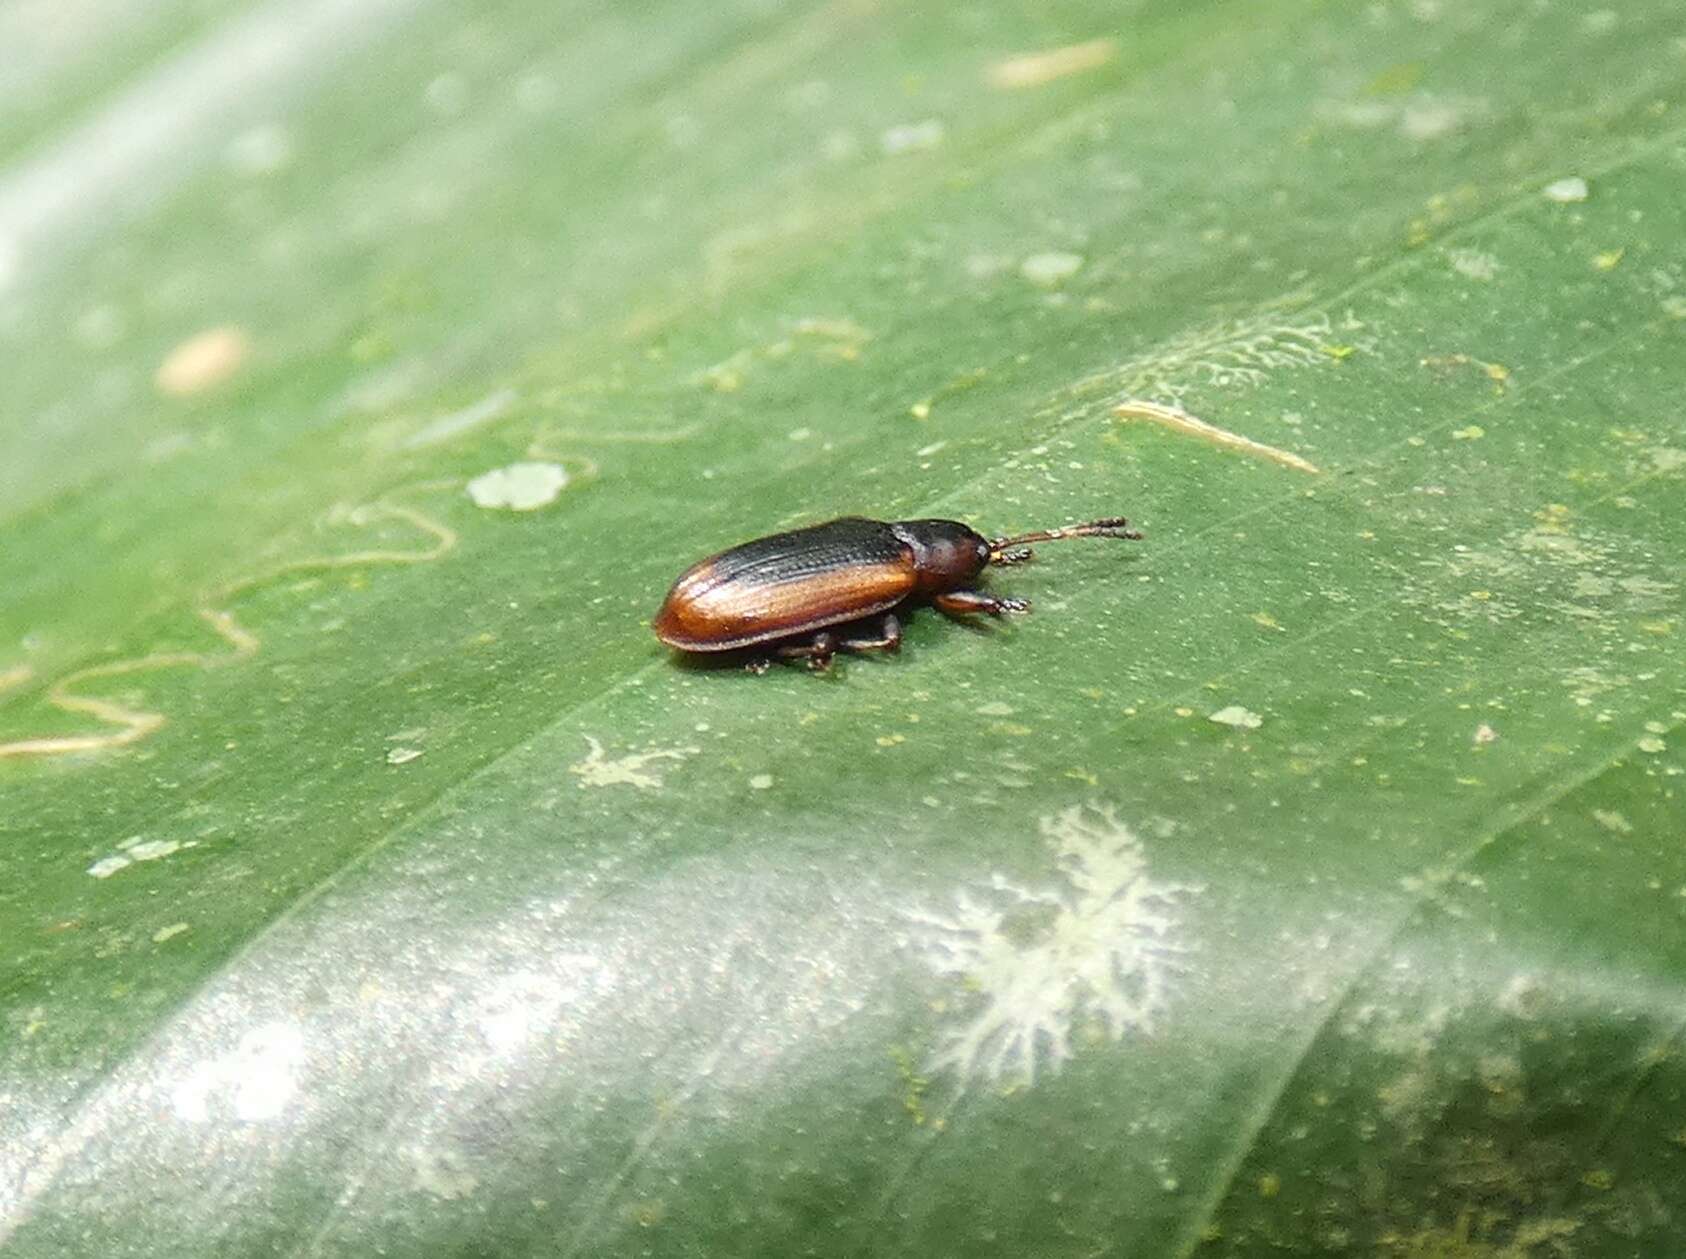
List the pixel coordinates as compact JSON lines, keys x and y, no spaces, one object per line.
{"x":786,"y":593}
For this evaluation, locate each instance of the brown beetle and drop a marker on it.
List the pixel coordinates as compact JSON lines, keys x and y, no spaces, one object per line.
{"x":787,"y":591}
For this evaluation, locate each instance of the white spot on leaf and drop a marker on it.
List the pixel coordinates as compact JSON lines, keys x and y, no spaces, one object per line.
{"x":1049,"y":270}
{"x":256,"y":1080}
{"x":1036,"y":68}
{"x":260,"y":150}
{"x":152,"y":849}
{"x":1049,"y":964}
{"x":1612,"y":820}
{"x":1238,"y":717}
{"x":519,"y":487}
{"x":913,"y":137}
{"x":203,"y":362}
{"x":136,"y":849}
{"x":1473,"y":264}
{"x":1567,"y":190}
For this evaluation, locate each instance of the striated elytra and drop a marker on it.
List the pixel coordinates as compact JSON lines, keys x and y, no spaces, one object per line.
{"x":788,"y":591}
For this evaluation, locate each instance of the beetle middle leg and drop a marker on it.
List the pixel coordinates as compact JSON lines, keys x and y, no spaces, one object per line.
{"x":959,"y":602}
{"x":818,"y":650}
{"x":889,"y":637}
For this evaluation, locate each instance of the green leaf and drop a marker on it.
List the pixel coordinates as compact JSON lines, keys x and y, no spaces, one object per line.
{"x":1304,"y":878}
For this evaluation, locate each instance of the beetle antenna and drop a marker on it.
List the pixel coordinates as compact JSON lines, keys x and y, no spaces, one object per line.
{"x":1106,"y":527}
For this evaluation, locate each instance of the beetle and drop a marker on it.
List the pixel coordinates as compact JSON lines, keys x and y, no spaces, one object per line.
{"x":795,"y":593}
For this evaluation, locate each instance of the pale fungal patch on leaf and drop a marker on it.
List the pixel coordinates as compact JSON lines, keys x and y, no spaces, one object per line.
{"x":260,"y":150}
{"x":1237,"y":717}
{"x":1418,"y":118}
{"x":1473,"y":264}
{"x":1180,"y":421}
{"x":1051,"y":269}
{"x":1567,"y":190}
{"x":136,"y":849}
{"x":1052,"y":965}
{"x":597,"y":770}
{"x":525,"y":486}
{"x":1431,"y":119}
{"x":255,"y":1081}
{"x":1229,"y":354}
{"x":912,"y":137}
{"x":203,"y":362}
{"x":1033,"y":69}
{"x":441,"y":1173}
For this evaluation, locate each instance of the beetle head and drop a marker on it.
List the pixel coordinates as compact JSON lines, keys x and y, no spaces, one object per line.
{"x":946,"y":554}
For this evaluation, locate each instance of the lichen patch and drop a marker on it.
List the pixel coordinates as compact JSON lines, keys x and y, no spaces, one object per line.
{"x":1094,"y":951}
{"x":598,"y":770}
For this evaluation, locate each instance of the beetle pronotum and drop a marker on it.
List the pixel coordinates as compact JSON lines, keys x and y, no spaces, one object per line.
{"x":788,"y":591}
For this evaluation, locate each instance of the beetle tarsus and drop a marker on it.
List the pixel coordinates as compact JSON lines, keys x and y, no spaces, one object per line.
{"x":960,"y":602}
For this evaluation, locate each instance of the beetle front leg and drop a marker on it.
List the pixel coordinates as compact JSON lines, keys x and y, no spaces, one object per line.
{"x":959,"y":602}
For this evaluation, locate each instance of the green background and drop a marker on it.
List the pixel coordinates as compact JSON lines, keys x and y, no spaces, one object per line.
{"x":406,"y":897}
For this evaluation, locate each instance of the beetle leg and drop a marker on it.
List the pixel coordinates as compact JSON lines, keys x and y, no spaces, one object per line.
{"x":818,"y":650}
{"x":1018,"y":555}
{"x":889,"y":637}
{"x":957,"y":602}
